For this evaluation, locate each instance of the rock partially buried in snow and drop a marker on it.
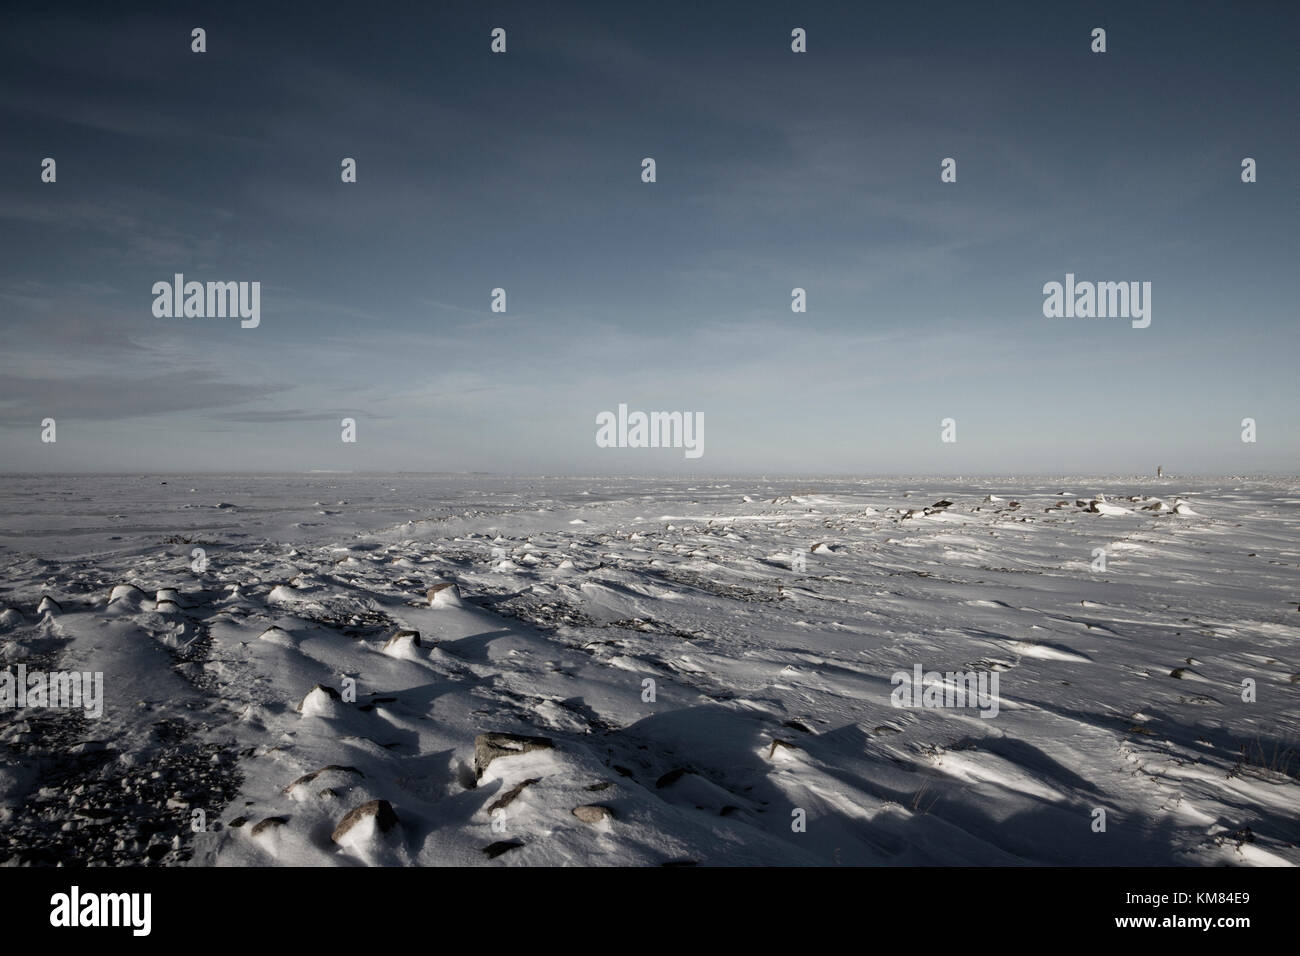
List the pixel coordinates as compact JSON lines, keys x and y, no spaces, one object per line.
{"x":282,"y":593}
{"x":1183,"y":508}
{"x":268,"y":825}
{"x":167,"y":601}
{"x":367,"y":824}
{"x":10,"y":618}
{"x":276,"y":635}
{"x":670,"y":778}
{"x":298,"y":789}
{"x":512,"y":794}
{"x":777,"y":742}
{"x":444,"y":594}
{"x":49,"y":606}
{"x":403,"y":645}
{"x":126,"y":593}
{"x":487,"y":747}
{"x":407,"y":633}
{"x":321,"y":701}
{"x":267,"y":834}
{"x":593,"y":813}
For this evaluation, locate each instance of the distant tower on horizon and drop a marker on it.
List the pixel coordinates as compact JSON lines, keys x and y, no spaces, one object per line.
{"x":1160,"y":471}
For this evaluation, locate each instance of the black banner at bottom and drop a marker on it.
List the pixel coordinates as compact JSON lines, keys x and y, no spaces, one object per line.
{"x":338,"y":906}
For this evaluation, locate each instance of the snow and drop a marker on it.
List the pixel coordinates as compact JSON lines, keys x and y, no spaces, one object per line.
{"x":700,"y":693}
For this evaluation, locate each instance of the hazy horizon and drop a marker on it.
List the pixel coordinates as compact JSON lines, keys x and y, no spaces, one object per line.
{"x":666,"y":475}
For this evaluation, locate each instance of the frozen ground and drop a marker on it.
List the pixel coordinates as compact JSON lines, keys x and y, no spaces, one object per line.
{"x":1120,"y":690}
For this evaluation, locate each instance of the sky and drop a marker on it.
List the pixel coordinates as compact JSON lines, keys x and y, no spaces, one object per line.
{"x":774,"y":170}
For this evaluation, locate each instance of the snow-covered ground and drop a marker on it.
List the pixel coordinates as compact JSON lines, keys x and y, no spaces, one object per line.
{"x":276,"y":691}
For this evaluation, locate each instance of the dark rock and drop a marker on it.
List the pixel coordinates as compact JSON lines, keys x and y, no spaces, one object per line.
{"x":263,"y":825}
{"x":494,"y":850}
{"x":380,"y":810}
{"x":508,"y":797}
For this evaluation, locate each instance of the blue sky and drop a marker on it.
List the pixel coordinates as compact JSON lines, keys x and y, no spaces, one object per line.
{"x":775,"y":170}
